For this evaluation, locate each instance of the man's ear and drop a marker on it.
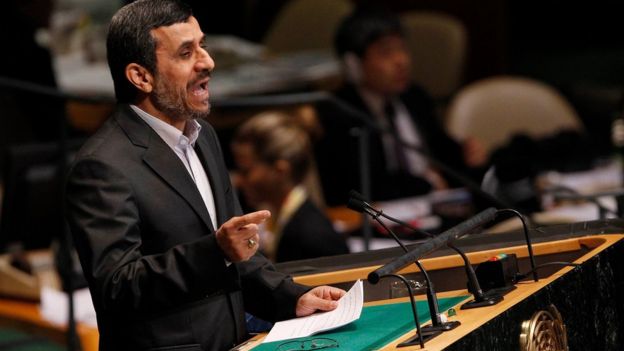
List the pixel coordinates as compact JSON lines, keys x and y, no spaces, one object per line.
{"x":140,"y":77}
{"x":353,"y":67}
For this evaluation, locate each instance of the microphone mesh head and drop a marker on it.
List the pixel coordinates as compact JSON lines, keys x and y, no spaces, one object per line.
{"x":356,"y":204}
{"x":355,"y":195}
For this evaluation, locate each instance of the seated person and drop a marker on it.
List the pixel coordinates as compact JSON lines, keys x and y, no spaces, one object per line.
{"x":273,"y":156}
{"x":377,"y":68}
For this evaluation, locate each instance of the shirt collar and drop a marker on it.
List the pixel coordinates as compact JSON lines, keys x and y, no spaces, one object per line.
{"x":374,"y":101}
{"x":171,"y":135}
{"x":294,"y":200}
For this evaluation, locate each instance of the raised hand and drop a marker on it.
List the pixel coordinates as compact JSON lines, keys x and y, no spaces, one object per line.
{"x":238,"y":237}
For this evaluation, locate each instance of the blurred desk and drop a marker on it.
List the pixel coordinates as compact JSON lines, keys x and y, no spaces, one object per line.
{"x":241,"y":69}
{"x":429,"y":212}
{"x":284,"y":73}
{"x":568,"y":197}
{"x":25,"y":316}
{"x":22,"y":310}
{"x":260,"y":74}
{"x":604,"y":177}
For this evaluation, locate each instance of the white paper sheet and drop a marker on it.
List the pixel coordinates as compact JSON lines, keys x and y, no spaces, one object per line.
{"x":348,"y":310}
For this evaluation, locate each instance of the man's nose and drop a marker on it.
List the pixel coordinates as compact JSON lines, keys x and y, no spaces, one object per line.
{"x":204,"y":61}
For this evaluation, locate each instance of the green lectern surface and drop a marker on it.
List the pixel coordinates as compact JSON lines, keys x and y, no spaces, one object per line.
{"x":377,"y":326}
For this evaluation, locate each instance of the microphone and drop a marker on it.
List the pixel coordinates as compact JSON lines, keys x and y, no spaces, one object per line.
{"x":363,"y":207}
{"x":480,"y":298}
{"x":357,"y":203}
{"x":474,"y":287}
{"x":433,"y":244}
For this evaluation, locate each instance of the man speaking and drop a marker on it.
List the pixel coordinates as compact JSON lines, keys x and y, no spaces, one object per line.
{"x":170,"y":259}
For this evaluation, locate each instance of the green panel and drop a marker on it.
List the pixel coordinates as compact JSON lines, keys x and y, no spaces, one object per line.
{"x":377,"y":326}
{"x":14,"y":340}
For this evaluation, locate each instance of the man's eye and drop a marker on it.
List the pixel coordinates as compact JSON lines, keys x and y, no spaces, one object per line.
{"x":204,"y":43}
{"x":185,"y":54}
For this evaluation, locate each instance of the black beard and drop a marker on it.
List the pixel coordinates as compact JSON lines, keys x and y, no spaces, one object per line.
{"x":171,"y":103}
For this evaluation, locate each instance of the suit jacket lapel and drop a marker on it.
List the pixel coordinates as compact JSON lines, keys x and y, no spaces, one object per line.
{"x":164,"y":162}
{"x":208,"y":156}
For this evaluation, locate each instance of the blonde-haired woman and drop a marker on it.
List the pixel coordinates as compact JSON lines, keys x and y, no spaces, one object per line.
{"x":273,"y":154}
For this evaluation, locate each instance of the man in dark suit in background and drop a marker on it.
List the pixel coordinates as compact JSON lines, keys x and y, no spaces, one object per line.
{"x":170,"y":259}
{"x":377,"y":67}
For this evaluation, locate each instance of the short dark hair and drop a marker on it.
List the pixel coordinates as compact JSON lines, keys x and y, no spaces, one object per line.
{"x":129,"y":39}
{"x":363,"y":27}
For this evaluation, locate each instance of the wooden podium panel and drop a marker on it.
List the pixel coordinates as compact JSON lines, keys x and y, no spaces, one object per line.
{"x":584,"y":295}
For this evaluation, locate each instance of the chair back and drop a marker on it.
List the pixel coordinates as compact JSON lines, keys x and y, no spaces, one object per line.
{"x":306,"y":25}
{"x":437,"y":44}
{"x":493,"y":110}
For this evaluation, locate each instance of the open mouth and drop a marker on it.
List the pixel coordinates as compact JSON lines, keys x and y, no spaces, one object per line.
{"x":200,"y":88}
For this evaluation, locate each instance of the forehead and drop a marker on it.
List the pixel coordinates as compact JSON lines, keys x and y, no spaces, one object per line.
{"x":171,"y":37}
{"x":387,"y":41}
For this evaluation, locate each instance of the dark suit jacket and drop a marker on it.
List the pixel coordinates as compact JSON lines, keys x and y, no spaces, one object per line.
{"x":309,"y":234}
{"x":157,"y":276}
{"x":339,"y":173}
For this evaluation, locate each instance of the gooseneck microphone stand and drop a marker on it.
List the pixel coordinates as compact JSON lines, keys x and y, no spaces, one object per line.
{"x":474,"y":287}
{"x":418,"y":338}
{"x":363,"y":136}
{"x":437,"y":326}
{"x":430,"y":245}
{"x":481,"y":299}
{"x":527,"y":238}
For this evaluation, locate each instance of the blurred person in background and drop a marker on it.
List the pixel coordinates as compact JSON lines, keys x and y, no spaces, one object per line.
{"x":377,"y":65}
{"x":273,"y":154}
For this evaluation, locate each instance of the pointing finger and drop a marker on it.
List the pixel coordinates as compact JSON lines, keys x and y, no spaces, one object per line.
{"x":250,"y":218}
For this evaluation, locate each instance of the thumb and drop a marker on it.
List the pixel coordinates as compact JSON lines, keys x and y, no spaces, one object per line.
{"x":322,"y":304}
{"x":310,"y":303}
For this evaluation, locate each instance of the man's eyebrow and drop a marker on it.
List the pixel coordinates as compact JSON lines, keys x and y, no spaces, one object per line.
{"x":189,"y":43}
{"x":185,"y":45}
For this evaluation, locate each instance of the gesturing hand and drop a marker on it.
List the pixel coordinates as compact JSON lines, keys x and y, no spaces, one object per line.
{"x":238,"y":237}
{"x":321,"y":298}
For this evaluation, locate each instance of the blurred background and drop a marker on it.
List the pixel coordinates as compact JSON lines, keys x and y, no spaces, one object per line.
{"x":55,"y":91}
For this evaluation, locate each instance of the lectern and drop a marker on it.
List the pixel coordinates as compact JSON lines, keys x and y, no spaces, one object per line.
{"x":585,"y":296}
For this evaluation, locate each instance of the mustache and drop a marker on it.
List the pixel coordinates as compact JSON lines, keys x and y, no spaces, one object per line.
{"x":202,"y":75}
